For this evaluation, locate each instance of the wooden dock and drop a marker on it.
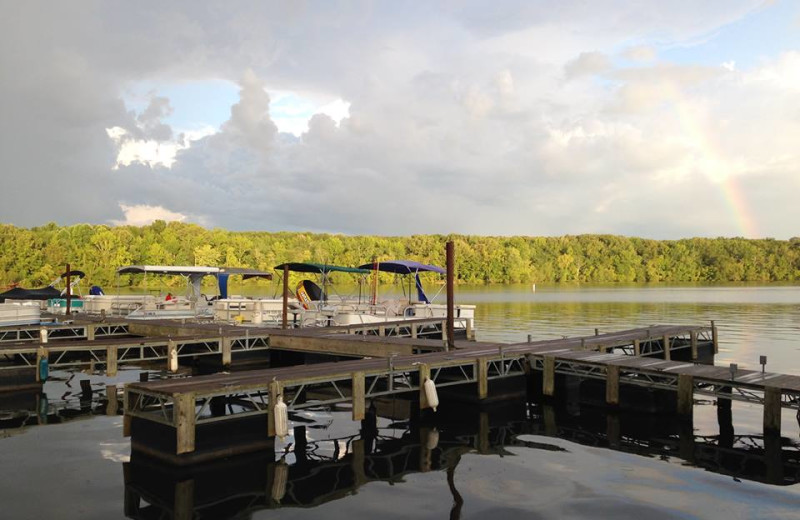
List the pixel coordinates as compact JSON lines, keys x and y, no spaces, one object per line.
{"x":184,"y":407}
{"x":109,"y":345}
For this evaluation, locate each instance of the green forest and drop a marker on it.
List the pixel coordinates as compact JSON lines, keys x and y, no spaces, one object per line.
{"x":36,"y":256}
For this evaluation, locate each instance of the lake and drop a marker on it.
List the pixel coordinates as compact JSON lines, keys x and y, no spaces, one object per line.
{"x":526,"y":460}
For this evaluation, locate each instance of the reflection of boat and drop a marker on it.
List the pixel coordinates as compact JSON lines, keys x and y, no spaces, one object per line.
{"x":194,"y":304}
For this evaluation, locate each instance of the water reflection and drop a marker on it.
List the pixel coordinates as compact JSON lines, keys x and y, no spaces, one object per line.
{"x":309,"y":473}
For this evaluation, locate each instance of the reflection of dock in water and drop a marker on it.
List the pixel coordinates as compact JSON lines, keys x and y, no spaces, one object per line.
{"x":325,"y":470}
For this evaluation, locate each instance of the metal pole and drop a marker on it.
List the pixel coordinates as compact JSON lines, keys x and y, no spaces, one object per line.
{"x":69,"y":290}
{"x":285,"y":311}
{"x":450,"y":311}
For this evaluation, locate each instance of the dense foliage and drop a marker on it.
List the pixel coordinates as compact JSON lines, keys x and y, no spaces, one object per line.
{"x":36,"y":256}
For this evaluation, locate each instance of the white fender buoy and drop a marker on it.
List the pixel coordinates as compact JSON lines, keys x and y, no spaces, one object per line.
{"x":430,"y":394}
{"x":173,"y":360}
{"x":281,"y":418}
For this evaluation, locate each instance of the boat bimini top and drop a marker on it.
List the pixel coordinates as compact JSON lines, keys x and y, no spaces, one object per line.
{"x":406,"y":267}
{"x":195,"y":274}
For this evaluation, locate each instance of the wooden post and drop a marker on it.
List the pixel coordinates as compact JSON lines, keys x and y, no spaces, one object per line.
{"x":685,"y":394}
{"x":714,"y":337}
{"x":69,"y":292}
{"x":111,"y":361}
{"x":414,"y":330}
{"x":549,"y":376}
{"x":772,"y":410}
{"x":612,"y":385}
{"x":172,"y":356}
{"x":449,"y":250}
{"x":667,"y":354}
{"x":693,"y":336}
{"x":637,"y":348}
{"x":470,"y":332}
{"x":285,"y":310}
{"x":424,"y":374}
{"x":184,"y":411}
{"x":596,"y":332}
{"x":184,"y":500}
{"x":483,"y":378}
{"x":359,"y":401}
{"x":226,"y":351}
{"x":274,"y":391}
{"x":111,"y":395}
{"x":90,"y":332}
{"x":381,"y":330}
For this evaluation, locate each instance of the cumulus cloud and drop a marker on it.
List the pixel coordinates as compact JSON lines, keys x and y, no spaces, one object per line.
{"x":142,"y":215}
{"x":446,"y":119}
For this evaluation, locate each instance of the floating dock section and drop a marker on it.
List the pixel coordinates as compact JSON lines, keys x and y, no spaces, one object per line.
{"x":191,"y":419}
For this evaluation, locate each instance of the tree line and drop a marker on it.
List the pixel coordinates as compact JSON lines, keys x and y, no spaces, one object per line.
{"x":36,"y":256}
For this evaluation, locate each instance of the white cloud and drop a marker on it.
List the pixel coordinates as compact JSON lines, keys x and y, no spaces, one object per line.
{"x":428,"y":119}
{"x":142,"y":215}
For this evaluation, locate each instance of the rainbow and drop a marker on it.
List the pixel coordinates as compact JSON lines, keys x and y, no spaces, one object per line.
{"x":714,"y":165}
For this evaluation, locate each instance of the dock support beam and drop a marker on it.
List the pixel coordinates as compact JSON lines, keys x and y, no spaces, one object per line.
{"x":667,"y":353}
{"x":685,"y":394}
{"x":90,"y":332}
{"x":184,"y":422}
{"x":111,"y":394}
{"x":612,"y":385}
{"x":772,"y":410}
{"x":549,"y":376}
{"x":359,"y":402}
{"x":424,"y":374}
{"x":693,"y":336}
{"x":226,"y":352}
{"x":483,"y":378}
{"x":111,"y":361}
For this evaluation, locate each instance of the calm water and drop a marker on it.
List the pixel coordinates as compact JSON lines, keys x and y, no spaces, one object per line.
{"x":522,"y":461}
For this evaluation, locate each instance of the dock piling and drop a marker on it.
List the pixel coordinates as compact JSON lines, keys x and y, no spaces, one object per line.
{"x":184,"y":422}
{"x":111,"y":361}
{"x":549,"y":376}
{"x":359,"y":404}
{"x":483,"y":377}
{"x":772,"y":410}
{"x":612,"y":385}
{"x":450,"y":253}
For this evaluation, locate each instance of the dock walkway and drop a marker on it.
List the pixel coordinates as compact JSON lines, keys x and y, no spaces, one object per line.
{"x":187,"y":404}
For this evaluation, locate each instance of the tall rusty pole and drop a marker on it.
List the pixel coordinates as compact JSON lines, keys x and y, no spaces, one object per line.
{"x":69,"y":290}
{"x":451,"y":343}
{"x":285,"y":312}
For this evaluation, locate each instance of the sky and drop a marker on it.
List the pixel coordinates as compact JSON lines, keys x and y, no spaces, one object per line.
{"x":654,"y":119}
